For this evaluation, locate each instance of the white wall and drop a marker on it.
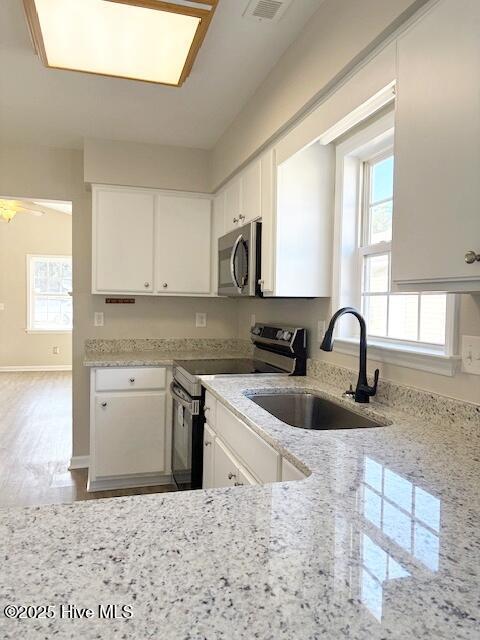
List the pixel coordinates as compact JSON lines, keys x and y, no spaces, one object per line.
{"x":50,"y":234}
{"x":146,"y":165}
{"x":334,"y":38}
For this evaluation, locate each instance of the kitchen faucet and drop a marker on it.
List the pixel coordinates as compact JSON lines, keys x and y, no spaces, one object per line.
{"x":363,"y":392}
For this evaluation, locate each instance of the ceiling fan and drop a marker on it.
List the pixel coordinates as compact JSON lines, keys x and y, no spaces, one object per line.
{"x":10,"y":208}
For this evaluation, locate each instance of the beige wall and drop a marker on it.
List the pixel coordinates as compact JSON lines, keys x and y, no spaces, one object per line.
{"x":306,"y":313}
{"x":334,"y":38}
{"x":50,"y":234}
{"x":146,"y":165}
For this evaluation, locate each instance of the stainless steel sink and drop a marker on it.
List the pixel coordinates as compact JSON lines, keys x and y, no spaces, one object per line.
{"x":308,"y":411}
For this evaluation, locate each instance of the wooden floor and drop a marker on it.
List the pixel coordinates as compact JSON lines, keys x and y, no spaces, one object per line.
{"x":36,"y":443}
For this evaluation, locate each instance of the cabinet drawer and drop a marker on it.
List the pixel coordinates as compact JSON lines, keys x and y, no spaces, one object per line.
{"x":258,"y":456}
{"x":210,"y":409}
{"x":119,"y":379}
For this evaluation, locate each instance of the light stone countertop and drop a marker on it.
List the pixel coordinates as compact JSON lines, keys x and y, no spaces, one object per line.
{"x":154,"y":358}
{"x":381,"y":541}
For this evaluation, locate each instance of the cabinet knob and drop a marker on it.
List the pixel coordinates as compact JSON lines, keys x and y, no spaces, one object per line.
{"x":146,"y":285}
{"x":241,"y":217}
{"x":231,"y":476}
{"x":235,"y":220}
{"x":104,"y":404}
{"x":471,"y":257}
{"x":205,"y":408}
{"x":207,"y":443}
{"x":132,"y":380}
{"x":165,"y":285}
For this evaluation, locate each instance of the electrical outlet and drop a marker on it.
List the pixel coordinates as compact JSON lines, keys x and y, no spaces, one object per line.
{"x":253,"y":320}
{"x":98,"y":319}
{"x":56,"y":350}
{"x":320,"y":330}
{"x":471,"y":354}
{"x":2,"y":306}
{"x":200,"y":319}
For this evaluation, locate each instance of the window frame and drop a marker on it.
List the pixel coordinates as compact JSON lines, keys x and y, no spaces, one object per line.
{"x":31,"y":294}
{"x":352,"y":152}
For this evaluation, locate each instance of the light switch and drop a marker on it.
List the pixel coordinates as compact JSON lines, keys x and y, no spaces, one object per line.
{"x":98,"y":319}
{"x":200,"y":319}
{"x":56,"y":350}
{"x":2,"y":306}
{"x":471,"y":354}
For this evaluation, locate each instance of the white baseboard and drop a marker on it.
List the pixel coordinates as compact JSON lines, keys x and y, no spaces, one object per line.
{"x":37,"y":367}
{"x":128,"y":482}
{"x":79,"y":462}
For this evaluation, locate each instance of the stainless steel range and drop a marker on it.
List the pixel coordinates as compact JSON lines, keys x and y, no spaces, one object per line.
{"x":277,"y":350}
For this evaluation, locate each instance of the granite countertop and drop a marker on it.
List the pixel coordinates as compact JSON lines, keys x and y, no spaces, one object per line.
{"x":154,"y":358}
{"x":381,"y":541}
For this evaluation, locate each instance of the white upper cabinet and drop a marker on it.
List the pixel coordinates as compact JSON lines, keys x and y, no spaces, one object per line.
{"x":149,"y":242}
{"x":183,"y":234}
{"x":123,"y":241}
{"x":437,"y":151}
{"x":298,"y":225}
{"x":232,"y":204}
{"x":251,"y":192}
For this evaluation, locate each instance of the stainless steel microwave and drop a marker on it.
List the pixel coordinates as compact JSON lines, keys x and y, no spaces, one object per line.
{"x":239,"y":261}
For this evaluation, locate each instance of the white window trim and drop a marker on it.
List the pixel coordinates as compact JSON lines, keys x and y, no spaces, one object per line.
{"x":346,"y":291}
{"x":28,"y":328}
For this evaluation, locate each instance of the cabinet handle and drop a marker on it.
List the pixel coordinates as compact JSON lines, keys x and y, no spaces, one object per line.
{"x":165,"y":285}
{"x":146,"y":285}
{"x":207,"y":443}
{"x":231,"y":476}
{"x":235,"y":220}
{"x":471,"y":257}
{"x":104,"y":404}
{"x":238,"y":484}
{"x":132,"y":380}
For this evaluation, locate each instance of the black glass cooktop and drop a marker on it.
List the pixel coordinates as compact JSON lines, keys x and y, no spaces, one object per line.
{"x":232,"y":366}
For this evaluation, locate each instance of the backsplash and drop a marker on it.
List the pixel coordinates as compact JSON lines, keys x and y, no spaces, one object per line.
{"x":425,"y":404}
{"x":129,"y":345}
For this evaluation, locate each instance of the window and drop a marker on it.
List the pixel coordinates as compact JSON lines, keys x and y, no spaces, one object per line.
{"x":416,"y":330}
{"x":419,"y":318}
{"x":49,"y":287}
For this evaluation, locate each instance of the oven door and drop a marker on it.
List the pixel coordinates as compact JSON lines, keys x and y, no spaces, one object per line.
{"x":236,"y":264}
{"x":187,"y":439}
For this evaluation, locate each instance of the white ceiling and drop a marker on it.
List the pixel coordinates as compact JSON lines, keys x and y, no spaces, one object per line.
{"x":60,"y":108}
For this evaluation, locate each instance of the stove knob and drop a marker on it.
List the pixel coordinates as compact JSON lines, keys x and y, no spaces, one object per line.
{"x":287,"y":335}
{"x":279,"y":334}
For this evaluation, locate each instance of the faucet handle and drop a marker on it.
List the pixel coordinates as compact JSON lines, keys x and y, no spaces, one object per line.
{"x":349,"y":393}
{"x":373,"y":390}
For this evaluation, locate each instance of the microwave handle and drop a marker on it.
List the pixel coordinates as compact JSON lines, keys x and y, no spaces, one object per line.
{"x":232,"y":262}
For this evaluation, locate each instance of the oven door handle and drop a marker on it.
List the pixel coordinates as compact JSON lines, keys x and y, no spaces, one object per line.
{"x":232,"y":263}
{"x":181,"y":401}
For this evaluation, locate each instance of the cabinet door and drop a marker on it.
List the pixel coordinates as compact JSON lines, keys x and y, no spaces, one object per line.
{"x":268,"y":221}
{"x":123,"y":242}
{"x":437,"y":154}
{"x":183,"y":245}
{"x":129,"y":435}
{"x":251,"y":195}
{"x":232,"y":204}
{"x":208,"y":457}
{"x":244,"y":477}
{"x":225,"y":467}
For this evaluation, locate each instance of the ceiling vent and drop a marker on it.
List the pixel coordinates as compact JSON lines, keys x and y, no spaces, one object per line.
{"x":266,"y":10}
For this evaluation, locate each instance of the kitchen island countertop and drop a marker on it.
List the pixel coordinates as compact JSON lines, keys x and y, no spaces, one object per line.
{"x":381,"y":540}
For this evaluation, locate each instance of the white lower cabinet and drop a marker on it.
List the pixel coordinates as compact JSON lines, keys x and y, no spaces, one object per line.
{"x":234,"y":455}
{"x":128,"y":435}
